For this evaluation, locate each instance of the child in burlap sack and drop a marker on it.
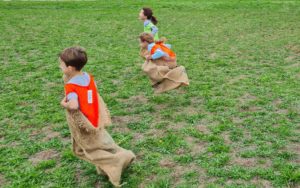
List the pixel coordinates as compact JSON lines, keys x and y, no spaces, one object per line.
{"x":160,"y":65}
{"x":87,"y":116}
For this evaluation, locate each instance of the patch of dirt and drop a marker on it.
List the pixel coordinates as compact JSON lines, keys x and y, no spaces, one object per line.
{"x":50,"y":85}
{"x":148,"y":180}
{"x":136,"y":99}
{"x":121,"y":122}
{"x":237,"y":79}
{"x":294,"y":48}
{"x":246,"y":162}
{"x":178,"y":126}
{"x":50,"y":134}
{"x":155,"y":133}
{"x":290,"y":58}
{"x":212,"y":56}
{"x":294,"y":148}
{"x":160,"y":107}
{"x":247,"y":97}
{"x":202,"y":128}
{"x":116,"y":82}
{"x":261,"y":182}
{"x":237,"y":120}
{"x":66,"y":140}
{"x":198,"y":147}
{"x":196,"y":101}
{"x":277,"y":102}
{"x":138,"y":136}
{"x":180,"y":151}
{"x":282,"y":111}
{"x":14,"y":144}
{"x":2,"y":180}
{"x":190,"y":110}
{"x":43,"y":155}
{"x":124,"y":120}
{"x":167,"y":163}
{"x":226,"y":137}
{"x":179,"y":171}
{"x":47,"y":131}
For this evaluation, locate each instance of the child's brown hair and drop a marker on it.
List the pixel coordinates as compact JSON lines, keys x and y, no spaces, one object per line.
{"x":146,"y":37}
{"x":149,"y":14}
{"x":74,"y":56}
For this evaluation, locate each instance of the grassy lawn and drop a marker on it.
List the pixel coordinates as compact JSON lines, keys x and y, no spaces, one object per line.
{"x":236,"y":125}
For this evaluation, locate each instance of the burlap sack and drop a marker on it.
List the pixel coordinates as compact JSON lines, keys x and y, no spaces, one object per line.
{"x":96,"y":146}
{"x":164,"y":75}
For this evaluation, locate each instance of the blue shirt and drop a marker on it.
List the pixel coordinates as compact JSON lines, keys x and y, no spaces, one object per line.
{"x":158,"y":53}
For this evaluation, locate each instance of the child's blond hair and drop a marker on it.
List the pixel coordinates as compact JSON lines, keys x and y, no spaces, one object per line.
{"x":148,"y":37}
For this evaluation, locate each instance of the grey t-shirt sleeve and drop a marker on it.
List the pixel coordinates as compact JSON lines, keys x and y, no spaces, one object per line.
{"x":72,"y":95}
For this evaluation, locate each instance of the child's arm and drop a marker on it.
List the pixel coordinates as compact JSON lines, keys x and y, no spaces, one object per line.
{"x":70,"y":104}
{"x":154,"y":30}
{"x":157,"y":54}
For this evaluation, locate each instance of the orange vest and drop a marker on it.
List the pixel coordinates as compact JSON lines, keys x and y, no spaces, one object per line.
{"x":88,"y":100}
{"x":160,"y":45}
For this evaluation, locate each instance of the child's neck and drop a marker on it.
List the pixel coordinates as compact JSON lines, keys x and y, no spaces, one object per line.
{"x":75,"y":73}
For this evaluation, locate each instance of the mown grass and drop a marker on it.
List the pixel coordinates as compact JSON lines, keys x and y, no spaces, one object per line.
{"x":236,"y":125}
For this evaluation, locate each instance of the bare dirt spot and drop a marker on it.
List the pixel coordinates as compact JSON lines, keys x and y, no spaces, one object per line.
{"x":14,"y":144}
{"x":191,"y":110}
{"x":124,"y":120}
{"x":295,"y":148}
{"x":237,"y":120}
{"x":120,"y":122}
{"x":247,"y":97}
{"x":2,"y":180}
{"x":43,"y":155}
{"x":179,"y":171}
{"x":180,"y":151}
{"x":213,"y":56}
{"x":136,"y":99}
{"x":226,"y":137}
{"x":246,"y":162}
{"x":261,"y":182}
{"x":66,"y":140}
{"x":47,"y":131}
{"x":167,"y":163}
{"x":277,"y":102}
{"x":196,"y":101}
{"x":202,"y":128}
{"x":237,"y":79}
{"x":290,"y":58}
{"x":282,"y":111}
{"x":50,"y":134}
{"x":178,"y":126}
{"x":149,"y":179}
{"x":198,"y":147}
{"x":138,"y":136}
{"x":294,"y":48}
{"x":161,"y":107}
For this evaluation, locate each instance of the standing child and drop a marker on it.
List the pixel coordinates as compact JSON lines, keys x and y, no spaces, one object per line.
{"x":146,"y":15}
{"x":87,"y":116}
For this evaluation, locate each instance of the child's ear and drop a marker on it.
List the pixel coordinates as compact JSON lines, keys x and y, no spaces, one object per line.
{"x":70,"y":68}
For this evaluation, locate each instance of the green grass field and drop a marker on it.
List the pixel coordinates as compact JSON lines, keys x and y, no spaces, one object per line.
{"x":236,"y":125}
